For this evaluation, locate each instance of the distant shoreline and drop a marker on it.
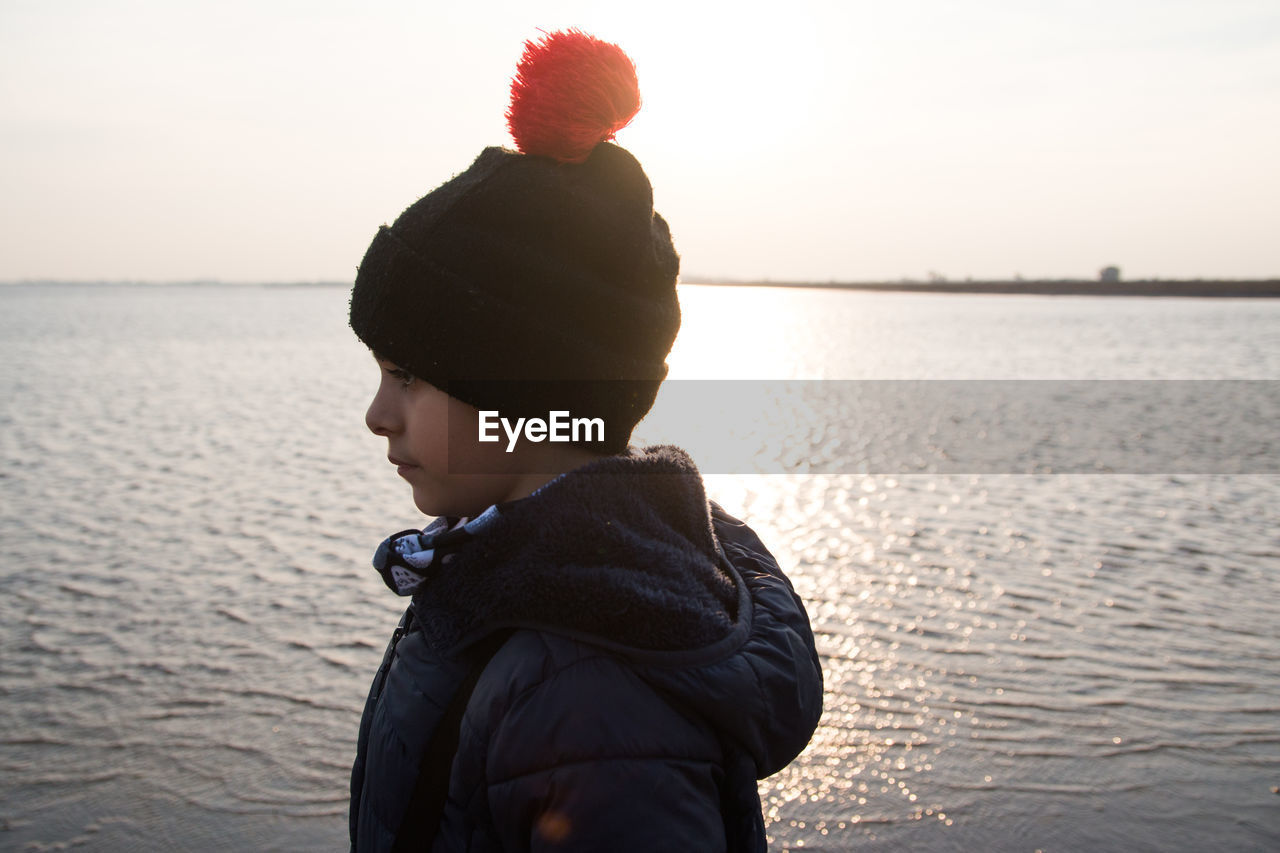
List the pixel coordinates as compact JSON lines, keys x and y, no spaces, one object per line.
{"x":1267,"y":288}
{"x":1198,"y":288}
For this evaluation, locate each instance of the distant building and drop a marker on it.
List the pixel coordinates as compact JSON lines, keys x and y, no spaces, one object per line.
{"x":1109,"y":275}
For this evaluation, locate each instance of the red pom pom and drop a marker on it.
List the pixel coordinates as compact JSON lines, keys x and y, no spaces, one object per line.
{"x":571,"y":92}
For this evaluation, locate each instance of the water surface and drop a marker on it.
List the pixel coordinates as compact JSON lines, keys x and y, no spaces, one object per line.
{"x":188,"y":623}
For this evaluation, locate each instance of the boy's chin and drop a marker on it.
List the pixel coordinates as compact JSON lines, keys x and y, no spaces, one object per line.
{"x":437,"y":504}
{"x":429,"y":503}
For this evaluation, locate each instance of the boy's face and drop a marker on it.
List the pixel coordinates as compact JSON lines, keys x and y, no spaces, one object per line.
{"x":426,"y":429}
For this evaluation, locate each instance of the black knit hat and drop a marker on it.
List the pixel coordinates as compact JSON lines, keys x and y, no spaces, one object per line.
{"x":542,"y":280}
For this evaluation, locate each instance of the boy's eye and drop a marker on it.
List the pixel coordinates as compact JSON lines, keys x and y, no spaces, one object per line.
{"x":401,"y":375}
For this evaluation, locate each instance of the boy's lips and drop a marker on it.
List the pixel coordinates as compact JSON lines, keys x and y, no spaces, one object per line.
{"x":401,"y":465}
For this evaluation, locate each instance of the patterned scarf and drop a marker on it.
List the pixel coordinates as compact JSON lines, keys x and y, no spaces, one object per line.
{"x":408,"y":559}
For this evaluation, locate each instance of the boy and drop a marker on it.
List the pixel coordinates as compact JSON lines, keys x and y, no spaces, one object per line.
{"x":594,"y":657}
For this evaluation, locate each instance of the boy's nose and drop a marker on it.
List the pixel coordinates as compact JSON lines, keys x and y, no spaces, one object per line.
{"x":379,"y":417}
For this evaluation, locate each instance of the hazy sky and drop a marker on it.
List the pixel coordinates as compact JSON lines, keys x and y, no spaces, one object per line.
{"x":266,"y":141}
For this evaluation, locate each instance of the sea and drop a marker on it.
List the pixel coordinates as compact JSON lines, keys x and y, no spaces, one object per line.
{"x":1017,"y":656}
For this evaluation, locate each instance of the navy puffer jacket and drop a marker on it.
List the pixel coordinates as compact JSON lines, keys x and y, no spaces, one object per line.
{"x":659,"y":663}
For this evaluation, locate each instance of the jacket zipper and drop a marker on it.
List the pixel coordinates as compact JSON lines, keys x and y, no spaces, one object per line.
{"x":396,"y":636}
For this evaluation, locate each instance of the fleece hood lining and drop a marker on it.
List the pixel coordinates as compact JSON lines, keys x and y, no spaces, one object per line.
{"x":620,"y":551}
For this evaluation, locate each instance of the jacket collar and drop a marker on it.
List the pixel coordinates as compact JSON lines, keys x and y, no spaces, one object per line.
{"x":621,"y":549}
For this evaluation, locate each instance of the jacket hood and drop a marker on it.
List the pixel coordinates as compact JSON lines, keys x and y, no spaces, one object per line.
{"x":627,"y":554}
{"x":620,"y":551}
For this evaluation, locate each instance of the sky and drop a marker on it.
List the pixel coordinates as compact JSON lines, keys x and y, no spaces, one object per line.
{"x":795,"y":141}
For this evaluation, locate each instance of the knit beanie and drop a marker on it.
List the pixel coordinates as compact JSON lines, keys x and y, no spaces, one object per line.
{"x":541,"y":279}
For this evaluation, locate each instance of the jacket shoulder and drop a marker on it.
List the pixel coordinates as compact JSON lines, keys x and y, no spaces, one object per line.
{"x":562,"y":742}
{"x":591,"y":704}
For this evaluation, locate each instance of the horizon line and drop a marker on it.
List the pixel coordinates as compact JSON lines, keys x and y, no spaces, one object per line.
{"x":905,"y":282}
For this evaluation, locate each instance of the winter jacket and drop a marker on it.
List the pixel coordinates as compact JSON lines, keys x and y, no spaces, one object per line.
{"x":659,"y":662}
